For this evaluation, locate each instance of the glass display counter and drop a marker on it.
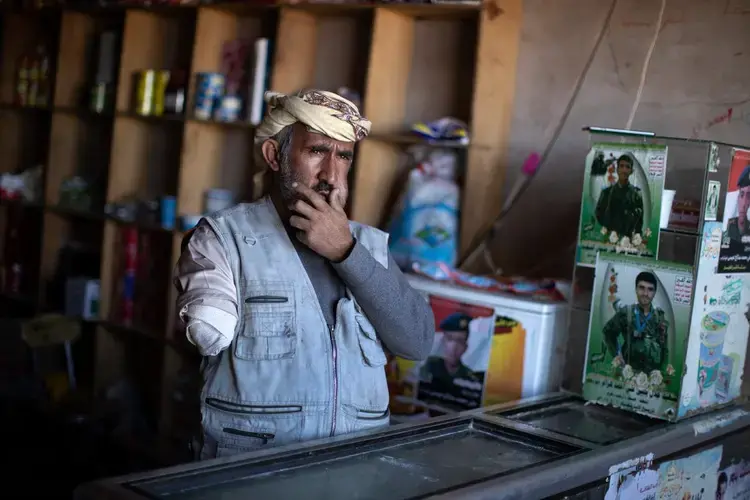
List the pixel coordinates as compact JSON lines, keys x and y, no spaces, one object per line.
{"x":550,"y":446}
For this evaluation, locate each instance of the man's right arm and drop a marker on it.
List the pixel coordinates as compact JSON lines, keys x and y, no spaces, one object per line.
{"x":611,"y":331}
{"x":601,"y":208}
{"x":206,"y":293}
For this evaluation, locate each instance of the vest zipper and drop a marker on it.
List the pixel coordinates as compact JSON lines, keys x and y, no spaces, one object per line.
{"x":335,"y":380}
{"x":263,"y":436}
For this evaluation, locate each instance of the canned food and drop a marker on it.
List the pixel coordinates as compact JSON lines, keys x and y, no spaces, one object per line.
{"x":144,"y":98}
{"x":229,"y":109}
{"x":99,"y":97}
{"x":209,"y":87}
{"x":160,"y":90}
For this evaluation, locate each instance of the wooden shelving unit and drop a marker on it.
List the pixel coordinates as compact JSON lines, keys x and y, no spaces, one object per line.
{"x":409,"y":62}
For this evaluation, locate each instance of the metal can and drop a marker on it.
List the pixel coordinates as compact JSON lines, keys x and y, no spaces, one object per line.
{"x":99,"y":94}
{"x":144,"y":97}
{"x":209,"y":87}
{"x":160,"y":90}
{"x":229,"y":109}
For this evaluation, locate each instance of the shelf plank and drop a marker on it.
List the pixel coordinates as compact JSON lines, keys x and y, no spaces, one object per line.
{"x":294,"y":54}
{"x":76,"y":32}
{"x":491,"y":117}
{"x":376,"y":168}
{"x":406,"y":139}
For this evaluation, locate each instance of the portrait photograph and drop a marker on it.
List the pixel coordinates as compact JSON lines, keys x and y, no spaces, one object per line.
{"x":453,"y":375}
{"x":637,"y":336}
{"x":621,"y":200}
{"x":734,"y":256}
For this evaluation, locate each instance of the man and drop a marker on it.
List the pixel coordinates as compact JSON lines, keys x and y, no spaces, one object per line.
{"x":743,"y":200}
{"x":446,"y":374}
{"x":642,"y":328}
{"x":289,"y":302}
{"x":712,"y":203}
{"x":620,"y":207}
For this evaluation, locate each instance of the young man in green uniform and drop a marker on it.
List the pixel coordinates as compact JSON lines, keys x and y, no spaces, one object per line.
{"x":620,"y":207}
{"x":637,"y":333}
{"x":447,"y":375}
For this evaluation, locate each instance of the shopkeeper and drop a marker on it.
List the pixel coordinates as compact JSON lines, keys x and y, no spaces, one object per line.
{"x":290,"y":303}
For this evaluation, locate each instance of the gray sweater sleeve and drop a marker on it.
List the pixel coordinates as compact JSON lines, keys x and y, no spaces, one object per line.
{"x":401,"y":316}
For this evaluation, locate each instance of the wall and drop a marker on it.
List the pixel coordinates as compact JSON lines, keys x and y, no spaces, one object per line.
{"x":699,"y":70}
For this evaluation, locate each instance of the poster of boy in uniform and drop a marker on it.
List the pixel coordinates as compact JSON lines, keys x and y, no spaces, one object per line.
{"x":621,"y":203}
{"x":453,"y":375}
{"x":734,"y":482}
{"x":637,"y":334}
{"x":734,"y":255}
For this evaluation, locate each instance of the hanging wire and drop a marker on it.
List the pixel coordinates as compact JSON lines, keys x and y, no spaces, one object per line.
{"x":483,"y":246}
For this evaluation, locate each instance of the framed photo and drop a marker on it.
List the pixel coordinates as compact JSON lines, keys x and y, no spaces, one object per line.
{"x":637,"y":337}
{"x":734,"y":256}
{"x":622,"y":196}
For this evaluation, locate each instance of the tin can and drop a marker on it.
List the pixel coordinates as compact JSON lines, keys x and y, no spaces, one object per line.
{"x":229,"y":109}
{"x":209,"y":87}
{"x":99,"y":93}
{"x":144,"y":97}
{"x":168,"y":211}
{"x":160,"y":90}
{"x":130,"y":240}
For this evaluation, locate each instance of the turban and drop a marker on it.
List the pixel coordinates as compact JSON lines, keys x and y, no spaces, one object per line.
{"x":321,"y":112}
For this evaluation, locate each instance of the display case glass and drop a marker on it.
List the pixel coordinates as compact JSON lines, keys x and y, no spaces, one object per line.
{"x":407,"y":464}
{"x":659,"y":317}
{"x":574,"y":418}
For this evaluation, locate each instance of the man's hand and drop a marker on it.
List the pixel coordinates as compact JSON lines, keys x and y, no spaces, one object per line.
{"x":322,"y":226}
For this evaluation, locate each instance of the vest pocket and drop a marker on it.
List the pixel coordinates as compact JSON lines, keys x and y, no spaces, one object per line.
{"x":266,"y":336}
{"x":356,"y":419}
{"x":234,"y":441}
{"x":268,"y":312}
{"x":369,"y":344}
{"x":241,"y":428}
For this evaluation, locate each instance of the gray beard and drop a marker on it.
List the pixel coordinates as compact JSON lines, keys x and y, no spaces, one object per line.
{"x":286,"y":179}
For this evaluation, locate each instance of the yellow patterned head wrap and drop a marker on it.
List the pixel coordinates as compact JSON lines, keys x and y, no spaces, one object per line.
{"x":320,"y":111}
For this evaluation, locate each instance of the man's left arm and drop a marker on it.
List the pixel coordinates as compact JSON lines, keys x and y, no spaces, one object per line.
{"x":401,"y":316}
{"x":638,"y":214}
{"x":666,"y":340}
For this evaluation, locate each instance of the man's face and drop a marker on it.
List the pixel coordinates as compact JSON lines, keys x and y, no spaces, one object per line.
{"x":318,"y":162}
{"x":455,"y":346}
{"x":624,"y":169}
{"x":645,"y":292}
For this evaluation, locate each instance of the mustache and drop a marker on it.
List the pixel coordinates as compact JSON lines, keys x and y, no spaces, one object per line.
{"x":323,"y":186}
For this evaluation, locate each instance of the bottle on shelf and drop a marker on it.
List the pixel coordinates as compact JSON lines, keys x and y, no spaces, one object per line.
{"x":43,"y":85}
{"x":174,"y":95}
{"x":12,"y":263}
{"x":22,"y":80}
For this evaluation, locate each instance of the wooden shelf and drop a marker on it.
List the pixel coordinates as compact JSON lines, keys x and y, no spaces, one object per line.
{"x":408,"y":62}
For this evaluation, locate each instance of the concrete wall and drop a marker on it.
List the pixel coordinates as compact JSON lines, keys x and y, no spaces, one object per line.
{"x":699,"y":70}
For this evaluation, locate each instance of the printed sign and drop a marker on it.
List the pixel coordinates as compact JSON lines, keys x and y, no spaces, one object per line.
{"x":690,"y":477}
{"x":734,"y":256}
{"x":633,"y":480}
{"x":733,"y":482}
{"x":622,"y":196}
{"x":713,"y":158}
{"x":712,"y":200}
{"x":637,"y":334}
{"x":717,"y":345}
{"x":477,"y":360}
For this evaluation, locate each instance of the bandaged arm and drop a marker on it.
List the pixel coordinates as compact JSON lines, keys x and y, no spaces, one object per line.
{"x":206,"y":293}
